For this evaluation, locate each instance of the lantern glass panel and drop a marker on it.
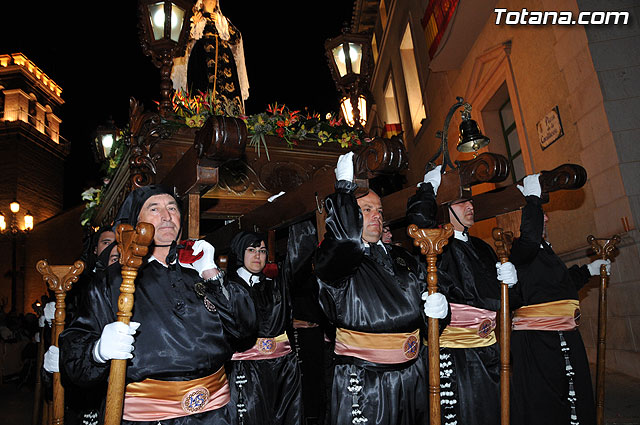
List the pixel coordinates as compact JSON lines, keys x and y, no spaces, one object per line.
{"x":355,"y":54}
{"x":3,"y":223}
{"x":338,"y":59}
{"x":156,"y":13}
{"x":177,"y":17}
{"x":28,"y":221}
{"x":347,"y":110}
{"x":107,"y":143}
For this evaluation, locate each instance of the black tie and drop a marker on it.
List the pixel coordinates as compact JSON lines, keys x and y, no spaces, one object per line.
{"x":379,"y":255}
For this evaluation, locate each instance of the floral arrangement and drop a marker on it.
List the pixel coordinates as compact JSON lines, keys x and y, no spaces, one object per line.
{"x":277,"y":120}
{"x":193,"y":111}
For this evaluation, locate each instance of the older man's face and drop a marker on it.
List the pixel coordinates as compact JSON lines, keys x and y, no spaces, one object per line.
{"x":371,"y":207}
{"x":464,"y":211}
{"x":162,"y":211}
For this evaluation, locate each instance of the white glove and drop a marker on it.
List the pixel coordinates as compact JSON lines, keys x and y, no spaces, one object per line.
{"x":52,"y":360}
{"x":594,"y":267}
{"x":344,"y":168}
{"x":531,"y":185}
{"x":116,"y":342}
{"x":434,"y":177}
{"x":507,"y":273}
{"x":274,"y":197}
{"x":49,"y":312}
{"x":207,"y":261}
{"x":41,"y":322}
{"x":435,"y":305}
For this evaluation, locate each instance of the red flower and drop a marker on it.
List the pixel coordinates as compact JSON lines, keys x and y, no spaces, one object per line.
{"x":280,"y":131}
{"x":280,"y":123}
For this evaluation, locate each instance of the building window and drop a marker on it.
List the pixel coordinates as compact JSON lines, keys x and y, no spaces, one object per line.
{"x":435,"y":21}
{"x":390,"y":103}
{"x":510,"y":137}
{"x":412,"y":81}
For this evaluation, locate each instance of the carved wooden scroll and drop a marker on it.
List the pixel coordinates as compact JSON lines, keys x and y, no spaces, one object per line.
{"x":133,"y":245}
{"x":221,"y":138}
{"x":431,"y":242}
{"x":59,"y":279}
{"x":486,"y":168}
{"x":605,"y":252}
{"x":502,"y":241}
{"x":381,"y":156}
{"x":509,"y":198}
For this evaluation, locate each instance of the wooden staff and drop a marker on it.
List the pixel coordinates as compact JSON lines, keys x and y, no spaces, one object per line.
{"x":502,"y":241}
{"x":59,"y":279}
{"x":133,"y":245}
{"x":431,"y":242}
{"x":604,"y":251}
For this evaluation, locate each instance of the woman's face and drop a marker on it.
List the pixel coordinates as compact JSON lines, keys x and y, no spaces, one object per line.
{"x":255,"y":258}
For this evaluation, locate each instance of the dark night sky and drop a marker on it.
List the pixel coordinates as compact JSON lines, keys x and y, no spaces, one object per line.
{"x":94,"y":54}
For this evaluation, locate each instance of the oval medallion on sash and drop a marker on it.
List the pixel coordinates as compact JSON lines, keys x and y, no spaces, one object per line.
{"x":195,"y":400}
{"x":266,"y":345}
{"x":485,"y":328}
{"x":411,"y":347}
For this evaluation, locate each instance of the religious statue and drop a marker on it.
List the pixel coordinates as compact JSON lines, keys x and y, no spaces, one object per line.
{"x":214,"y":59}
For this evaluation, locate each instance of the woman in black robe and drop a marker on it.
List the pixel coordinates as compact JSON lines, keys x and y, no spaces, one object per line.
{"x":265,"y":380}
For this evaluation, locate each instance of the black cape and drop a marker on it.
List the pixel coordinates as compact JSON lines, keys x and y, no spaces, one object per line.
{"x":539,"y":367}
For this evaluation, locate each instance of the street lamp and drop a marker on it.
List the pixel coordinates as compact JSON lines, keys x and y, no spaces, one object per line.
{"x":350,"y":62}
{"x":164,"y":28}
{"x":105,"y":137}
{"x":14,"y":230}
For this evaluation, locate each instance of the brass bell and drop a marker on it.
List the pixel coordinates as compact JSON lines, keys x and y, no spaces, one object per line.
{"x":471,"y":138}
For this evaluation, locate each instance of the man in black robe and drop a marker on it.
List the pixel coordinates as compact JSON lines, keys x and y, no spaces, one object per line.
{"x":186,"y":322}
{"x":468,"y":275}
{"x":372,"y":293}
{"x":551,"y":381}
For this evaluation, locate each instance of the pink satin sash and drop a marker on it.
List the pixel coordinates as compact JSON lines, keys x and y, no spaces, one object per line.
{"x":266,"y":348}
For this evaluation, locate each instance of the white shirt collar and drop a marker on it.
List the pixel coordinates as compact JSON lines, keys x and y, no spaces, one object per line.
{"x":152,"y":258}
{"x":247,"y":276}
{"x":460,"y":236}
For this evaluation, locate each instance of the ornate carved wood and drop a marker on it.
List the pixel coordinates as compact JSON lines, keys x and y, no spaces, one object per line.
{"x":381,"y":156}
{"x":509,"y":198}
{"x":604,"y":251}
{"x":59,"y":279}
{"x":221,"y":139}
{"x":133,"y":245}
{"x":431,"y":243}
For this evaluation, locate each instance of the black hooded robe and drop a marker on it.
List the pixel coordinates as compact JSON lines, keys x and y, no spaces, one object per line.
{"x":268,"y":389}
{"x":363,"y":294}
{"x":540,"y":380}
{"x":182,"y":335}
{"x":469,"y":377}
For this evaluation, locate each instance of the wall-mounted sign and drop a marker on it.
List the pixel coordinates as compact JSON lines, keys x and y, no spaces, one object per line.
{"x":550,"y":128}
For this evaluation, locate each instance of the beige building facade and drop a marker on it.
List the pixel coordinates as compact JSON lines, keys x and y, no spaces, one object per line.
{"x":546,"y":95}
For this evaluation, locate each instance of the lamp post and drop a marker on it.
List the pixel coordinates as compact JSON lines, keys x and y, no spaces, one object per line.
{"x":105,"y":137}
{"x":350,"y":62}
{"x":471,"y":138}
{"x":14,"y":230}
{"x":164,"y":29}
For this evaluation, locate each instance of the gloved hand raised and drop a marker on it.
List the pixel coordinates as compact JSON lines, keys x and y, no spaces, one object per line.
{"x":52,"y":359}
{"x":344,"y":168}
{"x":594,"y":267}
{"x":507,"y":273}
{"x":116,"y":342}
{"x":435,"y":305}
{"x":48,"y":314}
{"x":531,"y":185}
{"x":434,"y":177}
{"x":207,"y":261}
